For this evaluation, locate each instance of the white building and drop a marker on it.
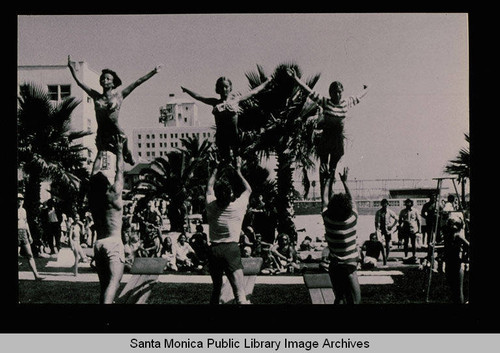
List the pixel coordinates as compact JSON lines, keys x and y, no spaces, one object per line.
{"x":180,"y":120}
{"x":59,"y":83}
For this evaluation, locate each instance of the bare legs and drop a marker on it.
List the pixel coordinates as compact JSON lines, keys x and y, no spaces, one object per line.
{"x":413,"y":239}
{"x":78,"y":254}
{"x":236,"y":280}
{"x":31,"y":259}
{"x":345,"y":284}
{"x":109,"y":278}
{"x":328,"y":165}
{"x":237,"y":284}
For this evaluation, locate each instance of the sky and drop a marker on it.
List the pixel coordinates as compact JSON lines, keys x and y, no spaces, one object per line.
{"x":409,"y":125}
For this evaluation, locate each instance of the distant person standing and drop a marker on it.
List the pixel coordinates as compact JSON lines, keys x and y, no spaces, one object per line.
{"x":429,"y":216}
{"x":24,"y":239}
{"x":53,"y":228}
{"x":455,"y":249}
{"x":225,"y":214}
{"x":386,"y":222}
{"x":340,"y":217}
{"x":64,"y":228}
{"x":75,"y":233}
{"x":409,"y":226}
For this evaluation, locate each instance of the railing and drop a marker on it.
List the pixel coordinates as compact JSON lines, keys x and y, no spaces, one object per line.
{"x":365,"y":207}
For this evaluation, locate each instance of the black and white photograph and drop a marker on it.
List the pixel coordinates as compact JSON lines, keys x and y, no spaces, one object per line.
{"x":248,"y":163}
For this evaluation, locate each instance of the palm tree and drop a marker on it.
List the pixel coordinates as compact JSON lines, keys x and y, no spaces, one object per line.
{"x":201,"y":154}
{"x":460,"y":166}
{"x":45,"y":148}
{"x":178,"y":176}
{"x":286,"y":132}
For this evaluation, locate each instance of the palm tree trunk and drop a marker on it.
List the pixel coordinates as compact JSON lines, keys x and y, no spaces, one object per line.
{"x":463,"y":181}
{"x":284,"y":174}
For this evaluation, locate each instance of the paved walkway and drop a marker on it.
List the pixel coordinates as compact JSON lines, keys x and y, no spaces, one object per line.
{"x":61,"y":269}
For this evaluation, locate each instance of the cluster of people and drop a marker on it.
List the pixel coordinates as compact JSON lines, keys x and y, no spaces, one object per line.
{"x":414,"y":227}
{"x":110,"y":227}
{"x":143,"y":236}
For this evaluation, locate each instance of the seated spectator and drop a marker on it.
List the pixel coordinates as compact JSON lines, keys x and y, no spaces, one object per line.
{"x":246,"y":245}
{"x":370,"y":252}
{"x":168,"y":252}
{"x":199,"y":243}
{"x":132,"y":248}
{"x":184,"y":254}
{"x":284,"y":254}
{"x":306,"y":244}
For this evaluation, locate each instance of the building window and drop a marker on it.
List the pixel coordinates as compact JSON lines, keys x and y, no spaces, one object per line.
{"x":139,"y":136}
{"x":204,"y":135}
{"x":65,"y":91}
{"x":58,"y":92}
{"x":153,"y":153}
{"x":171,"y":136}
{"x":161,"y":135}
{"x":161,"y":144}
{"x":161,"y":153}
{"x":53,"y":94}
{"x":139,"y":145}
{"x":185,"y":119}
{"x":171,"y":144}
{"x":147,"y":145}
{"x":139,"y":154}
{"x":153,"y":145}
{"x":153,"y":136}
{"x":147,"y":154}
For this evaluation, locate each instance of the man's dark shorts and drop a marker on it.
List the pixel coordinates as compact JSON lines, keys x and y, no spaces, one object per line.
{"x":224,"y":257}
{"x":22,"y":237}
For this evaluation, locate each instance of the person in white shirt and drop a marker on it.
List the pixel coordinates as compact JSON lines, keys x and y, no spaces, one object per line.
{"x":24,"y":238}
{"x":225,"y":215}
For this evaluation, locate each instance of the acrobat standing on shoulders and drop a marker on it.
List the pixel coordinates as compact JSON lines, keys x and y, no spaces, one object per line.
{"x":330,"y":147}
{"x":107,"y":107}
{"x":226,"y":110}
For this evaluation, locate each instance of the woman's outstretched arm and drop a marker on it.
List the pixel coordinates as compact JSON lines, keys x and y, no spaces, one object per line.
{"x":254,"y":91}
{"x":206,"y":100}
{"x":293,"y":75}
{"x":127,"y":90}
{"x":92,"y":93}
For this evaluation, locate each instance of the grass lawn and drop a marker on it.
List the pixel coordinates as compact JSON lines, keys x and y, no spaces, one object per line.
{"x":60,"y":306}
{"x":409,"y":288}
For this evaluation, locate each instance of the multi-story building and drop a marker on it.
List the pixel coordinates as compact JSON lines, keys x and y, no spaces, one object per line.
{"x":180,"y":120}
{"x":59,"y":83}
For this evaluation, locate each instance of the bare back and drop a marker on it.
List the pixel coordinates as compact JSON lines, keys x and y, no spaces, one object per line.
{"x":109,"y":223}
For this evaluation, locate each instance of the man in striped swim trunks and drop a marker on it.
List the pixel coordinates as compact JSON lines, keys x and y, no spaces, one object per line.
{"x":340,"y":217}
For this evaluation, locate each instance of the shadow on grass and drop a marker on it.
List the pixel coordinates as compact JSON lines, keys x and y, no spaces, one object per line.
{"x":409,"y":288}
